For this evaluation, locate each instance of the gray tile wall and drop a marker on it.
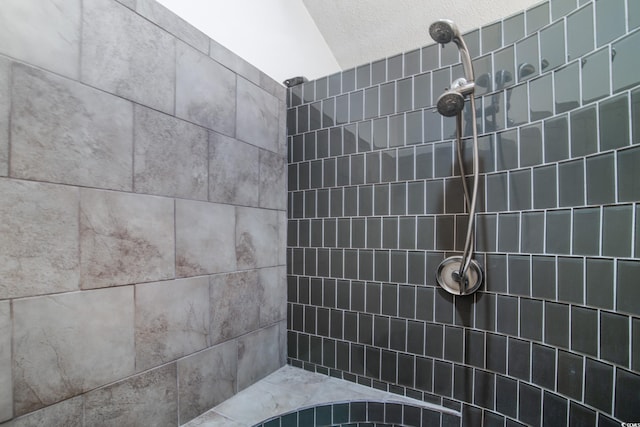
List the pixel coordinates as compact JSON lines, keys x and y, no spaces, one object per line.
{"x":375,"y":203}
{"x":143,"y":216}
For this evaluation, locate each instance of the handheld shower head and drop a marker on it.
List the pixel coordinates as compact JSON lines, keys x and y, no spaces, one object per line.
{"x":451,"y":102}
{"x":443,"y":31}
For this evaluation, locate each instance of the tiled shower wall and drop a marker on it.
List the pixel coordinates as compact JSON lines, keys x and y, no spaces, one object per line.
{"x":375,"y":203}
{"x":142,"y":207}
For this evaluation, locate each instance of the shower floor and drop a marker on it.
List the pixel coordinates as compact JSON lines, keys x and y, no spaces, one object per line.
{"x":289,"y":389}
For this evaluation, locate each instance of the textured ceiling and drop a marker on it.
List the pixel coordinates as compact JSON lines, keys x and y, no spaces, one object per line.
{"x":361,"y":31}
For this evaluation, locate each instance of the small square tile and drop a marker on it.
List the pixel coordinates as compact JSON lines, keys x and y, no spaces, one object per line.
{"x":567,"y":88}
{"x":625,"y":62}
{"x":626,"y":404}
{"x":506,"y":396}
{"x":491,"y":37}
{"x":595,"y":76}
{"x":627,"y":290}
{"x":537,"y":17}
{"x":571,"y":183}
{"x":614,"y":338}
{"x":519,"y":358}
{"x":544,"y":187}
{"x":558,"y":238}
{"x":600,"y":282}
{"x":530,"y":404}
{"x":580,"y":415}
{"x":610,"y":21}
{"x":513,"y":28}
{"x":496,"y":188}
{"x":520,"y":190}
{"x":598,"y":388}
{"x":570,"y":279}
{"x":584,"y":135}
{"x":496,"y":280}
{"x":496,"y":353}
{"x":586,"y":231}
{"x":519,"y":273}
{"x":616,"y":223}
{"x":580,"y":33}
{"x":556,"y":324}
{"x":629,"y":175}
{"x":584,"y":330}
{"x":556,"y":139}
{"x":543,"y":366}
{"x":532,"y":232}
{"x":544,"y":277}
{"x":613,"y":124}
{"x":531,"y":319}
{"x":554,"y":410}
{"x":541,"y":97}
{"x":531,"y":145}
{"x":507,"y":315}
{"x":363,"y":76}
{"x":552,"y":45}
{"x":570,"y":374}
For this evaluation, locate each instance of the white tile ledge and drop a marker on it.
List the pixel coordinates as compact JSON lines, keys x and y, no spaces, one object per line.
{"x":290,"y":389}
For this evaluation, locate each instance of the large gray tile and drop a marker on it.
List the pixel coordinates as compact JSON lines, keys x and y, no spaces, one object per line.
{"x":234,"y":302}
{"x":131,"y":4}
{"x":214,"y":419}
{"x":205,"y":91}
{"x":234,"y":171}
{"x":62,"y":131}
{"x":233,"y":62}
{"x":125,"y":54}
{"x":39,"y":251}
{"x":125,"y":238}
{"x":45,"y":33}
{"x":257,"y":116}
{"x":5,"y":110}
{"x":172,"y":320}
{"x":282,"y":237}
{"x":282,"y":125}
{"x":169,"y":21}
{"x":273,"y":294}
{"x":205,"y":239}
{"x":206,"y":379}
{"x":170,"y":156}
{"x":256,"y":232}
{"x":68,"y":344}
{"x":6,"y":385}
{"x":147,"y":399}
{"x":273,"y":184}
{"x":68,"y":413}
{"x":258,"y":355}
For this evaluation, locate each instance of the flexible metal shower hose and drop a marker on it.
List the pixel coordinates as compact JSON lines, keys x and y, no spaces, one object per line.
{"x":471,"y":203}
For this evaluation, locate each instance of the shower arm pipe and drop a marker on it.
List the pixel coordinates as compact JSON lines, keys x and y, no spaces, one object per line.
{"x":467,"y":255}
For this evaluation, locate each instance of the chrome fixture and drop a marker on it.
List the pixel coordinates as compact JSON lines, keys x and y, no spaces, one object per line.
{"x":460,"y":275}
{"x":295,"y":81}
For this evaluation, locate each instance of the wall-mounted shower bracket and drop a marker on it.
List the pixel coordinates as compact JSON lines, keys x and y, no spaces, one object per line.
{"x":449,"y":278}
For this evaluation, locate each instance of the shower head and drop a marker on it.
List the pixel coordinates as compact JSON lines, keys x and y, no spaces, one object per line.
{"x":443,"y":31}
{"x":450,"y":103}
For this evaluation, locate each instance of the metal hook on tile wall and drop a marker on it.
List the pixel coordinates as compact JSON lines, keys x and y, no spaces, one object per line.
{"x":460,"y":275}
